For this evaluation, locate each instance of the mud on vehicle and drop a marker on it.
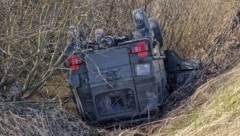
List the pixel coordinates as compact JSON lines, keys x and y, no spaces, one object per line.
{"x":124,"y":78}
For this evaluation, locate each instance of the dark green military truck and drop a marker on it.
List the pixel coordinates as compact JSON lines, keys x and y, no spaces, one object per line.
{"x":124,"y":78}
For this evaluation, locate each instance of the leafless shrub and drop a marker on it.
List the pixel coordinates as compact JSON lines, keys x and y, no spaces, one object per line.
{"x":34,"y":37}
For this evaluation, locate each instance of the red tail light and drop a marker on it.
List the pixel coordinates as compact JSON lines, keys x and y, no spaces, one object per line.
{"x":73,"y":62}
{"x":141,"y":48}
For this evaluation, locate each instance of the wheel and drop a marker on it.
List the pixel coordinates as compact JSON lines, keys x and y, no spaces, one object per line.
{"x":157,"y":34}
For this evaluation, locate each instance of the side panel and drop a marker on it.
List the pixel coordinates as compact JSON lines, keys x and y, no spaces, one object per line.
{"x":78,"y":79}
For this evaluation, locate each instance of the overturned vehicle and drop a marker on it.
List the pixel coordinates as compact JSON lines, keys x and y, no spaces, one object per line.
{"x":122,"y":79}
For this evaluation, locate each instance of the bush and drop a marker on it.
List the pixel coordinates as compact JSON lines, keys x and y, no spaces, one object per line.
{"x":34,"y":37}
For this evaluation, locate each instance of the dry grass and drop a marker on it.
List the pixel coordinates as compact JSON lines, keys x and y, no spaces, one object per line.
{"x":191,"y":27}
{"x":41,"y":119}
{"x":213,"y":110}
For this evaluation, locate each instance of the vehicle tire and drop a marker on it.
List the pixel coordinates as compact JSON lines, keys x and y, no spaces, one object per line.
{"x":157,"y":34}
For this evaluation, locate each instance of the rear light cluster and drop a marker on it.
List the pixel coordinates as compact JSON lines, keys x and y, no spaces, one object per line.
{"x":141,"y":48}
{"x":73,"y":62}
